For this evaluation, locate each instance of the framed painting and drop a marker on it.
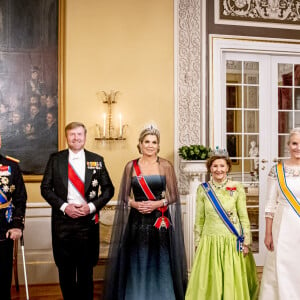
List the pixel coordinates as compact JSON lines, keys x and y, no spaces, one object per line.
{"x":31,"y":68}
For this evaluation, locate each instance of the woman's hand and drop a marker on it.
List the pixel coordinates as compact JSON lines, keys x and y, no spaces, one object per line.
{"x":146,"y":207}
{"x":245,"y":250}
{"x":269,"y":242}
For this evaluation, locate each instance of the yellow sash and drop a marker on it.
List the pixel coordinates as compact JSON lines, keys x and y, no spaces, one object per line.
{"x":287,"y":193}
{"x":5,"y":205}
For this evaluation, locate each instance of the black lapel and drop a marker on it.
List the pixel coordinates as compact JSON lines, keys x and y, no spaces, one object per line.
{"x":63,"y":167}
{"x":88,"y":172}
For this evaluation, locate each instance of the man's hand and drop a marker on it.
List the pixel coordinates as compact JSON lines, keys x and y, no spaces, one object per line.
{"x":77,"y":210}
{"x":14,"y":233}
{"x":85,"y":209}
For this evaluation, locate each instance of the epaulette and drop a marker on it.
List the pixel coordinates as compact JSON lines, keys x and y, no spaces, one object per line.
{"x":12,"y":159}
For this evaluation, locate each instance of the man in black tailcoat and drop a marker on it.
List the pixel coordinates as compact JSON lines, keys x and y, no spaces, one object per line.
{"x":13,"y":198}
{"x":77,"y":185}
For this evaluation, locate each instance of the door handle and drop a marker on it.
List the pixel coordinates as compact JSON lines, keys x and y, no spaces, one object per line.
{"x":275,"y":160}
{"x":264,"y":161}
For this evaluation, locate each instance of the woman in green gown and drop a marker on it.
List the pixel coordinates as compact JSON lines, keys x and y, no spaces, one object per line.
{"x":224,"y":267}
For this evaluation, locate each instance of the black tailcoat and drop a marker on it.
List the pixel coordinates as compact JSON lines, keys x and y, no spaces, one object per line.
{"x":98,"y":190}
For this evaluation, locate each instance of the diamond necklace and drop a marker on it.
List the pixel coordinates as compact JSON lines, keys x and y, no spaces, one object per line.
{"x":219,"y":186}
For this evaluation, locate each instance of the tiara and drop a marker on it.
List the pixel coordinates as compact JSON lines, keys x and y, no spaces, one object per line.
{"x":151,"y":127}
{"x":218,"y":152}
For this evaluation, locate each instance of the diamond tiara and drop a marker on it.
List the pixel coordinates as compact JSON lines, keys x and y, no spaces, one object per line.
{"x":151,"y":128}
{"x":218,"y":152}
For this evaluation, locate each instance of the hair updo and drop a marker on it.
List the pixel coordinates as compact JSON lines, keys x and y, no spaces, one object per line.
{"x":150,"y":130}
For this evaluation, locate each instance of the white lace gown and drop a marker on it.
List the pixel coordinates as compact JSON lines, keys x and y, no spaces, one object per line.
{"x":281,"y":275}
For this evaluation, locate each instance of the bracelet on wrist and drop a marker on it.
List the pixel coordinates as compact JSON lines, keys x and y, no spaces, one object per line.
{"x":165,"y":202}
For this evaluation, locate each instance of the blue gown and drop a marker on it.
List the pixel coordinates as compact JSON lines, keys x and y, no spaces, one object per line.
{"x":145,"y":262}
{"x":149,"y":271}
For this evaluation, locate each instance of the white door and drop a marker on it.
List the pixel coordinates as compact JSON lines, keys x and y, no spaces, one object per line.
{"x":258,"y":104}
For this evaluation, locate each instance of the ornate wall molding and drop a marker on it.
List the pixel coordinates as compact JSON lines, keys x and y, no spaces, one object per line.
{"x":264,"y":13}
{"x":188,"y":45}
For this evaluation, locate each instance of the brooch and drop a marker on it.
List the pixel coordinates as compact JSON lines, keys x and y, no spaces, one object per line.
{"x":92,"y":194}
{"x":231,"y":216}
{"x":95,"y":182}
{"x":12,"y":188}
{"x":231,"y":190}
{"x":4,"y":180}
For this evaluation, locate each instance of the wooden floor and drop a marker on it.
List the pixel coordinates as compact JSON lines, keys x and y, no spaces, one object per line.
{"x":52,"y":291}
{"x":49,"y":291}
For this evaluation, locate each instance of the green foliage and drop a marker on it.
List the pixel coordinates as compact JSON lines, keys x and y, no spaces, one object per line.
{"x":194,"y":152}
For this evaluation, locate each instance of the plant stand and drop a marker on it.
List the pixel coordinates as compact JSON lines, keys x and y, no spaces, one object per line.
{"x":196,"y":171}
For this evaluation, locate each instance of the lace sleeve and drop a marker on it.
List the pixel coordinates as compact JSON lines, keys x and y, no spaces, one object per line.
{"x":272,"y":194}
{"x":243,"y":214}
{"x":200,"y":215}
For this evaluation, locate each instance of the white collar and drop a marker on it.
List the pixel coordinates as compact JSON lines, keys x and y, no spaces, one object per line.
{"x":73,"y":155}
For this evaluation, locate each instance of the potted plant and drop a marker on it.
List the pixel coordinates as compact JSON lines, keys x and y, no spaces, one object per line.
{"x":194,"y":152}
{"x":194,"y":158}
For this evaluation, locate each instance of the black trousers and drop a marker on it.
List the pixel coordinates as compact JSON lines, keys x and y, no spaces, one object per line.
{"x":75,"y":269}
{"x":6,"y":262}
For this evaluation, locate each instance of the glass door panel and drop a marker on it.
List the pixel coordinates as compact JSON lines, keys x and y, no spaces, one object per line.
{"x":288,"y":74}
{"x":255,"y":103}
{"x":242,"y":132}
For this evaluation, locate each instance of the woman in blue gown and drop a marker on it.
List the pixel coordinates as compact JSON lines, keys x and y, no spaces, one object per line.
{"x":147,"y":257}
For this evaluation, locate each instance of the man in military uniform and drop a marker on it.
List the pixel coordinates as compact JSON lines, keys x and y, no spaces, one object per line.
{"x":13,"y":198}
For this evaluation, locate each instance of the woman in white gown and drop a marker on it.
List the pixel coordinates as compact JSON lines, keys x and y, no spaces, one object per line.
{"x":281,"y":275}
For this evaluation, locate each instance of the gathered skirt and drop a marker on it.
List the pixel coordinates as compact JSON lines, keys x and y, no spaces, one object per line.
{"x":220,"y":272}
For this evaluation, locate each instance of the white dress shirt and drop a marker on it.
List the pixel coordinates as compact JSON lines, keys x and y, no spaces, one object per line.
{"x":77,"y":160}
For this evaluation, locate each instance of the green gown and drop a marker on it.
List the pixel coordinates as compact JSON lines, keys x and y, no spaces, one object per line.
{"x":219,"y":271}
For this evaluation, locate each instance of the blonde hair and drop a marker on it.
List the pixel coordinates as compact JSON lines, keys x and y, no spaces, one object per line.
{"x":73,"y":125}
{"x":151,"y":130}
{"x":295,"y":130}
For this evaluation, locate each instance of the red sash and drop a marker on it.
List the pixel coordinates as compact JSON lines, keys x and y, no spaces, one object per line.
{"x":79,"y":185}
{"x":76,"y":181}
{"x":162,"y":221}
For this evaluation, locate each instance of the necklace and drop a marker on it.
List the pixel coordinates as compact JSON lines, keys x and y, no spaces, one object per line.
{"x":219,"y":186}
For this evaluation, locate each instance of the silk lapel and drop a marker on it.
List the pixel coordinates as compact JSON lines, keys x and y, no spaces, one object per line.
{"x":88,"y":172}
{"x":63,"y":168}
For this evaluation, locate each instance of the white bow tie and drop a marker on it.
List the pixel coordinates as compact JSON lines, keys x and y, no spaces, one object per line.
{"x":75,"y":157}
